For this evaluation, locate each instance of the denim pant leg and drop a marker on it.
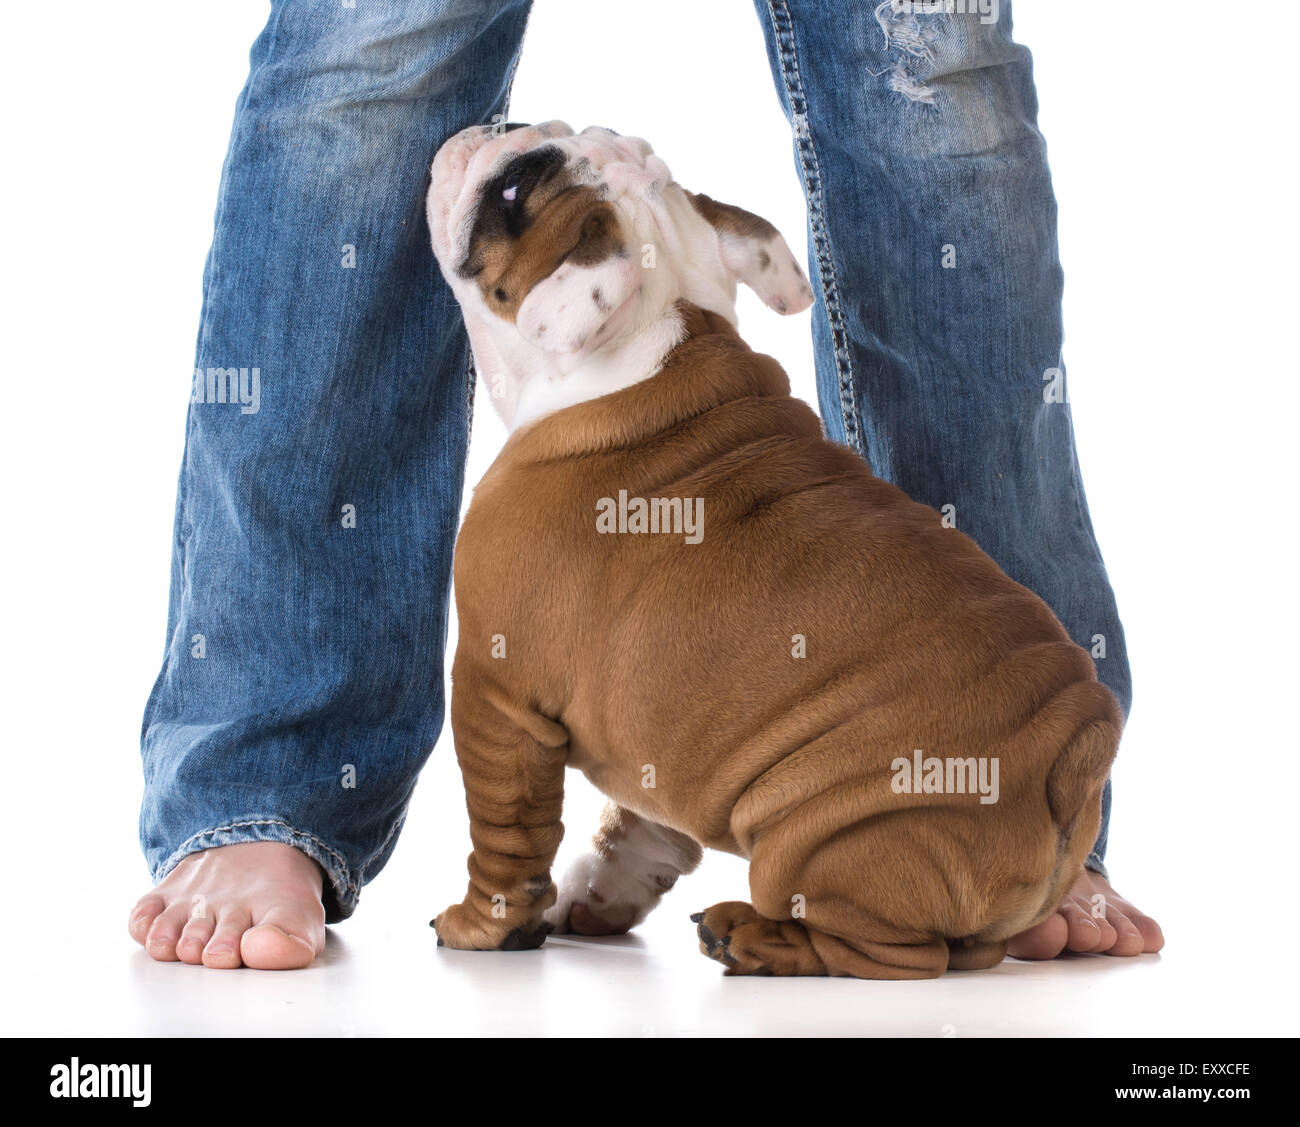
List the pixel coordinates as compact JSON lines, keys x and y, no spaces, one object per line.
{"x":301,"y":688}
{"x":938,"y":331}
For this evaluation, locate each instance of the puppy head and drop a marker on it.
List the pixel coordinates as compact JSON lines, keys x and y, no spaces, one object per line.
{"x":565,"y":247}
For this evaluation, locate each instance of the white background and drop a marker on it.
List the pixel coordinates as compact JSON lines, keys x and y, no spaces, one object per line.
{"x":1172,"y":151}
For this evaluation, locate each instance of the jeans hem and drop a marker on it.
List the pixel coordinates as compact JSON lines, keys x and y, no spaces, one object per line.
{"x":339,"y":892}
{"x":1095,"y":864}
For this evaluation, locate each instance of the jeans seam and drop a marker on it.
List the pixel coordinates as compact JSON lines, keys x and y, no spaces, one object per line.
{"x":471,"y":381}
{"x":179,"y":853}
{"x":245,"y":94}
{"x":471,"y":372}
{"x":810,"y":170}
{"x":398,"y":823}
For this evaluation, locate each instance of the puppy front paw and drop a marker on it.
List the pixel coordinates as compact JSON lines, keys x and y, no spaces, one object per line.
{"x":465,"y":928}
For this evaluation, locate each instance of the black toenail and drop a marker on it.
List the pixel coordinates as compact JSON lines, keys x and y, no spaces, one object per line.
{"x":520,"y":940}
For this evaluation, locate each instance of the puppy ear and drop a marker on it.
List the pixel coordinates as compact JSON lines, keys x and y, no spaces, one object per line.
{"x":756,"y":254}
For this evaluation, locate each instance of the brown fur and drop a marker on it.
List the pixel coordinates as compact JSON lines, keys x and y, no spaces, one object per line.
{"x":513,"y":247}
{"x":631,"y":650}
{"x":729,"y":219}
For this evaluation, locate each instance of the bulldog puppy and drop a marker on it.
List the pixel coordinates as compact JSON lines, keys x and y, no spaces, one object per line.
{"x":670,"y":580}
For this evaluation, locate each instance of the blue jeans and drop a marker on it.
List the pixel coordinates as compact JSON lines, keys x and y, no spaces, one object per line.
{"x":301,"y":688}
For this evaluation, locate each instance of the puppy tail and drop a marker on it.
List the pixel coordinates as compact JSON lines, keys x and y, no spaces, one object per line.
{"x":1080,"y":771}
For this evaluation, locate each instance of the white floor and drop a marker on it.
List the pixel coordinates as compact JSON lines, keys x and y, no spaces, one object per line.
{"x":68,"y":967}
{"x":382,"y":975}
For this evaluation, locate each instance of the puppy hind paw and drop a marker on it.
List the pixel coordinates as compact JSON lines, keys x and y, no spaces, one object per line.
{"x":597,"y":899}
{"x":745,"y":942}
{"x":587,"y":913}
{"x":712,"y":946}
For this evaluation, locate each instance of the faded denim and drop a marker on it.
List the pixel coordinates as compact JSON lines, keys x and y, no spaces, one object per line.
{"x":302,"y":688}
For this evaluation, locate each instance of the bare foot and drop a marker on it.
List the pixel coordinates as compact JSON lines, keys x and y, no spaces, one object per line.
{"x":255,"y":904}
{"x":1106,"y":926}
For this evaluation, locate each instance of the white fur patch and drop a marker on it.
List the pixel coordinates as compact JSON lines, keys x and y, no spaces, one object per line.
{"x":575,"y":305}
{"x":565,"y":346}
{"x":629,"y":879}
{"x":769,"y":268}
